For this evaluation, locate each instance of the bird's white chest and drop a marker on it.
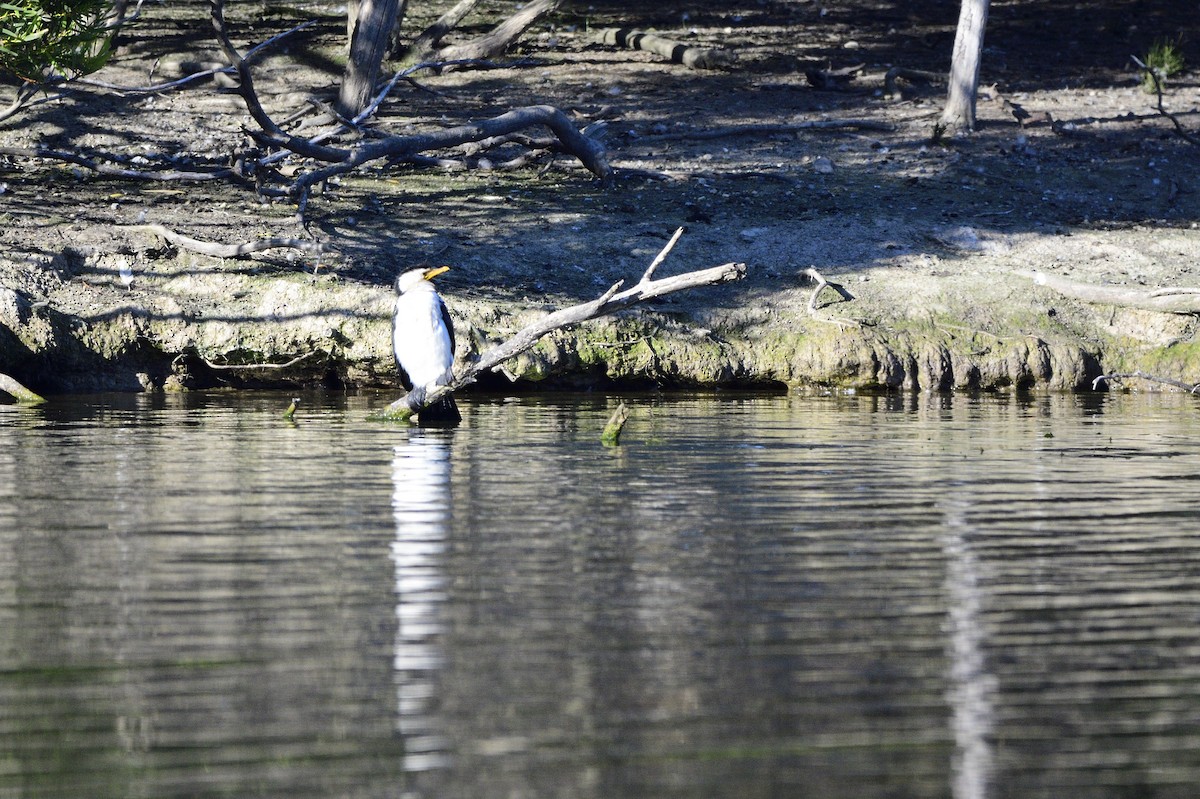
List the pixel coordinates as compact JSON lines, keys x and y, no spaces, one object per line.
{"x":420,"y":339}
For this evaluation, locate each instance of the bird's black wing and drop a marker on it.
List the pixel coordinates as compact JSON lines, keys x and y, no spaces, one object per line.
{"x":446,"y":320}
{"x":405,"y":380}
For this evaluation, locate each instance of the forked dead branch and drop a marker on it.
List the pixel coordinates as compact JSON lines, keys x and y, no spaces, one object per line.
{"x":609,"y":302}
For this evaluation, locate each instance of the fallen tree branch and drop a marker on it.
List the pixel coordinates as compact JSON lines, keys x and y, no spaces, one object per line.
{"x":609,"y":302}
{"x":340,"y":161}
{"x":587,"y":150}
{"x":892,"y":91}
{"x":22,"y":395}
{"x":424,"y":45}
{"x":676,"y":52}
{"x":24,"y":94}
{"x":767,"y":130}
{"x":499,"y":38}
{"x":271,"y":132}
{"x":1187,"y":136}
{"x":611,"y":435}
{"x":831,"y":79}
{"x":251,"y":54}
{"x":1190,"y":388}
{"x":1177,"y":301}
{"x":822,"y":283}
{"x":98,"y":163}
{"x":231,"y":250}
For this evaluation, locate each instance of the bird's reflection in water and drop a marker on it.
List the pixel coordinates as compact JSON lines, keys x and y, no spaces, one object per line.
{"x":972,"y":686}
{"x":421,"y":506}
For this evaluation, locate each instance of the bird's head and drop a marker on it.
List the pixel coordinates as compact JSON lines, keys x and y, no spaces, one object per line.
{"x":416,"y":277}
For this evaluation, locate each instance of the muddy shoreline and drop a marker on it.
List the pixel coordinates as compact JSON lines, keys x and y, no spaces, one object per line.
{"x":937,"y":245}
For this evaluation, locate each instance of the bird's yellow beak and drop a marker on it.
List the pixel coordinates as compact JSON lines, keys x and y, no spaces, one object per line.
{"x":430,"y":274}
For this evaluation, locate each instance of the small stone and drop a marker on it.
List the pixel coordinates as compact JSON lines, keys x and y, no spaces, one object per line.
{"x":822,"y":165}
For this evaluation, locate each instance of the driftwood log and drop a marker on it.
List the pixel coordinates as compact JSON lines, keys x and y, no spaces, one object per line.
{"x":677,"y":52}
{"x":609,"y":302}
{"x":1179,"y":300}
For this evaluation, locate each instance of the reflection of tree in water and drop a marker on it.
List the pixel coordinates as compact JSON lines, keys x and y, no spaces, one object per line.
{"x":971,"y":687}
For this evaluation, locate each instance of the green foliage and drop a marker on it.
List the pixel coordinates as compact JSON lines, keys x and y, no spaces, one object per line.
{"x":1164,"y":60}
{"x":70,"y":37}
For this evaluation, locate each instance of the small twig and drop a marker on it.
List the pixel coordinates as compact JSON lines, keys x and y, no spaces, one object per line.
{"x":658,"y":259}
{"x":1191,"y":388}
{"x":1168,"y":291}
{"x":231,"y":250}
{"x":240,"y":366}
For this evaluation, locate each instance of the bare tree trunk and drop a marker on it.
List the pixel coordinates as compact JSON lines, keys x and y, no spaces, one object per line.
{"x":959,"y":113}
{"x":373,"y":27}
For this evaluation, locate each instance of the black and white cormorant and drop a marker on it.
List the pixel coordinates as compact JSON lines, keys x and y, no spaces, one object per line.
{"x":423,"y":341}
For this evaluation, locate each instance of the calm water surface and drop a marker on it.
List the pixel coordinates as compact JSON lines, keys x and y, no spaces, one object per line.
{"x":751,"y":597}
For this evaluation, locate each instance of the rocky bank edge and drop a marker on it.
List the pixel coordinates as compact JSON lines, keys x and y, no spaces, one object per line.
{"x":955,"y":314}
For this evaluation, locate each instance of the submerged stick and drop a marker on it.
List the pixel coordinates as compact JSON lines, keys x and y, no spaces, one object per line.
{"x":616,"y":423}
{"x":22,"y":395}
{"x":1190,"y":388}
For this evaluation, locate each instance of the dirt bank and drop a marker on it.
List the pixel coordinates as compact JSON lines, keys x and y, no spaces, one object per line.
{"x":939,"y":246}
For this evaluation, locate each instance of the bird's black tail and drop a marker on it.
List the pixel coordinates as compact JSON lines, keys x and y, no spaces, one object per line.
{"x":443,"y":413}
